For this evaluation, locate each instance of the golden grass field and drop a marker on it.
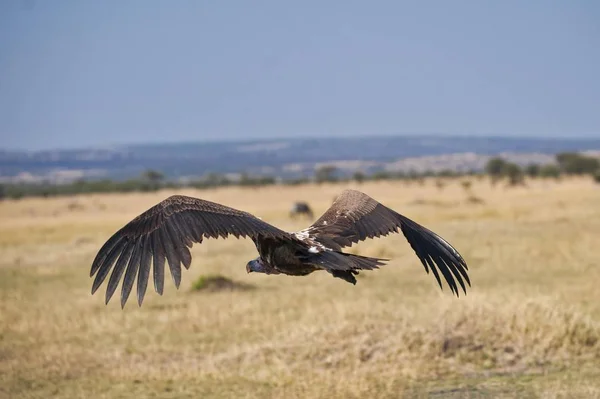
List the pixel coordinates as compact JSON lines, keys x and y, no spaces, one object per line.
{"x":528,"y":327}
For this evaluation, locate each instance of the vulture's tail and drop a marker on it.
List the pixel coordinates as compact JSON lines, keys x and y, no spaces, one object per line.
{"x":364,"y":262}
{"x":350,"y":265}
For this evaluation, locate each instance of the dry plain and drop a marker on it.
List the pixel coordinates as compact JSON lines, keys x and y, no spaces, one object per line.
{"x":528,"y":327}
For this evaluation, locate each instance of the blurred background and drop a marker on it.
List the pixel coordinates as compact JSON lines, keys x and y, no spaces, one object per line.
{"x":477,"y":119}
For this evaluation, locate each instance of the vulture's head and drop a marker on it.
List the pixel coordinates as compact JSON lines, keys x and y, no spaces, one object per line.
{"x":257,"y":265}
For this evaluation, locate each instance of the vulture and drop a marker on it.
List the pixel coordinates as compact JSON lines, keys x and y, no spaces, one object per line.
{"x":301,"y":208}
{"x":167,"y":230}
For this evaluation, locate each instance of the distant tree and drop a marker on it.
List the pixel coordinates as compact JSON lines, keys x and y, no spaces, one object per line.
{"x":246,"y":180}
{"x":398,"y":175}
{"x":447,"y":173}
{"x":412,"y":175}
{"x":267,"y":180}
{"x":495,"y":167}
{"x":549,"y":171}
{"x":295,"y":182}
{"x":18,"y":191}
{"x":381,"y":175}
{"x":573,"y":163}
{"x":150,"y":180}
{"x":515,"y":174}
{"x":217,"y":179}
{"x":532,"y":170}
{"x":326,"y":173}
{"x":597,"y":176}
{"x":359,"y":176}
{"x":2,"y":192}
{"x":153,"y":176}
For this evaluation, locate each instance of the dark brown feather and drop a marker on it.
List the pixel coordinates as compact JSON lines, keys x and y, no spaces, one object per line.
{"x":166,"y":232}
{"x":354,"y":216}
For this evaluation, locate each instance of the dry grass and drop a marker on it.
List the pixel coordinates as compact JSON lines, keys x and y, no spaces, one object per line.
{"x":529,"y":327}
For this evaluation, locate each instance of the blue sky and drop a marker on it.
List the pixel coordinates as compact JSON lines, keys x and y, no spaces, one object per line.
{"x":80,"y":73}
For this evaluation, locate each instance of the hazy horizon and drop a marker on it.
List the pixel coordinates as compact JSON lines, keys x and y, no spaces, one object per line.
{"x":102,"y":74}
{"x":306,"y":137}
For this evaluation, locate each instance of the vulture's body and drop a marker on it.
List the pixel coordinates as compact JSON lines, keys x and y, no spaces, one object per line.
{"x":166,"y":231}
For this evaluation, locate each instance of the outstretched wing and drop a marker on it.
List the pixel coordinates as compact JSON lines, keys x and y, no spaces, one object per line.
{"x":166,"y":231}
{"x":354,"y":216}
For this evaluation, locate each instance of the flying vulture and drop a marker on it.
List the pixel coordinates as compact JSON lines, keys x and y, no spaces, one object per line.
{"x":167,"y":231}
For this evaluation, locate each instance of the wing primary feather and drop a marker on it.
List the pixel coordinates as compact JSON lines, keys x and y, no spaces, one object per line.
{"x":131,"y":271}
{"x":449,"y":249}
{"x":180,"y":228}
{"x":172,"y":256}
{"x":104,"y":252}
{"x":178,"y":231}
{"x":434,"y":271}
{"x":461,"y":269}
{"x":185,"y":256}
{"x":424,"y":264}
{"x":107,"y":264}
{"x":184,"y":224}
{"x":172,"y":225}
{"x":422,"y":254}
{"x":452,"y":262}
{"x":118,"y":271}
{"x":416,"y":247}
{"x":454,"y":270}
{"x":446,"y":272}
{"x":144,"y":271}
{"x":429,"y":252}
{"x":158,"y":269}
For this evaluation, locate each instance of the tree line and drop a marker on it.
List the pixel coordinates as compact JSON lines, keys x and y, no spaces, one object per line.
{"x":497,"y":169}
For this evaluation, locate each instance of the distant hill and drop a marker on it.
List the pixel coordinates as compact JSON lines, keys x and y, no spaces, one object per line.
{"x":281,"y":157}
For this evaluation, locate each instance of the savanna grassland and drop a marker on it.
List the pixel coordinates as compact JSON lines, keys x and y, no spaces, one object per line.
{"x":528,"y":327}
